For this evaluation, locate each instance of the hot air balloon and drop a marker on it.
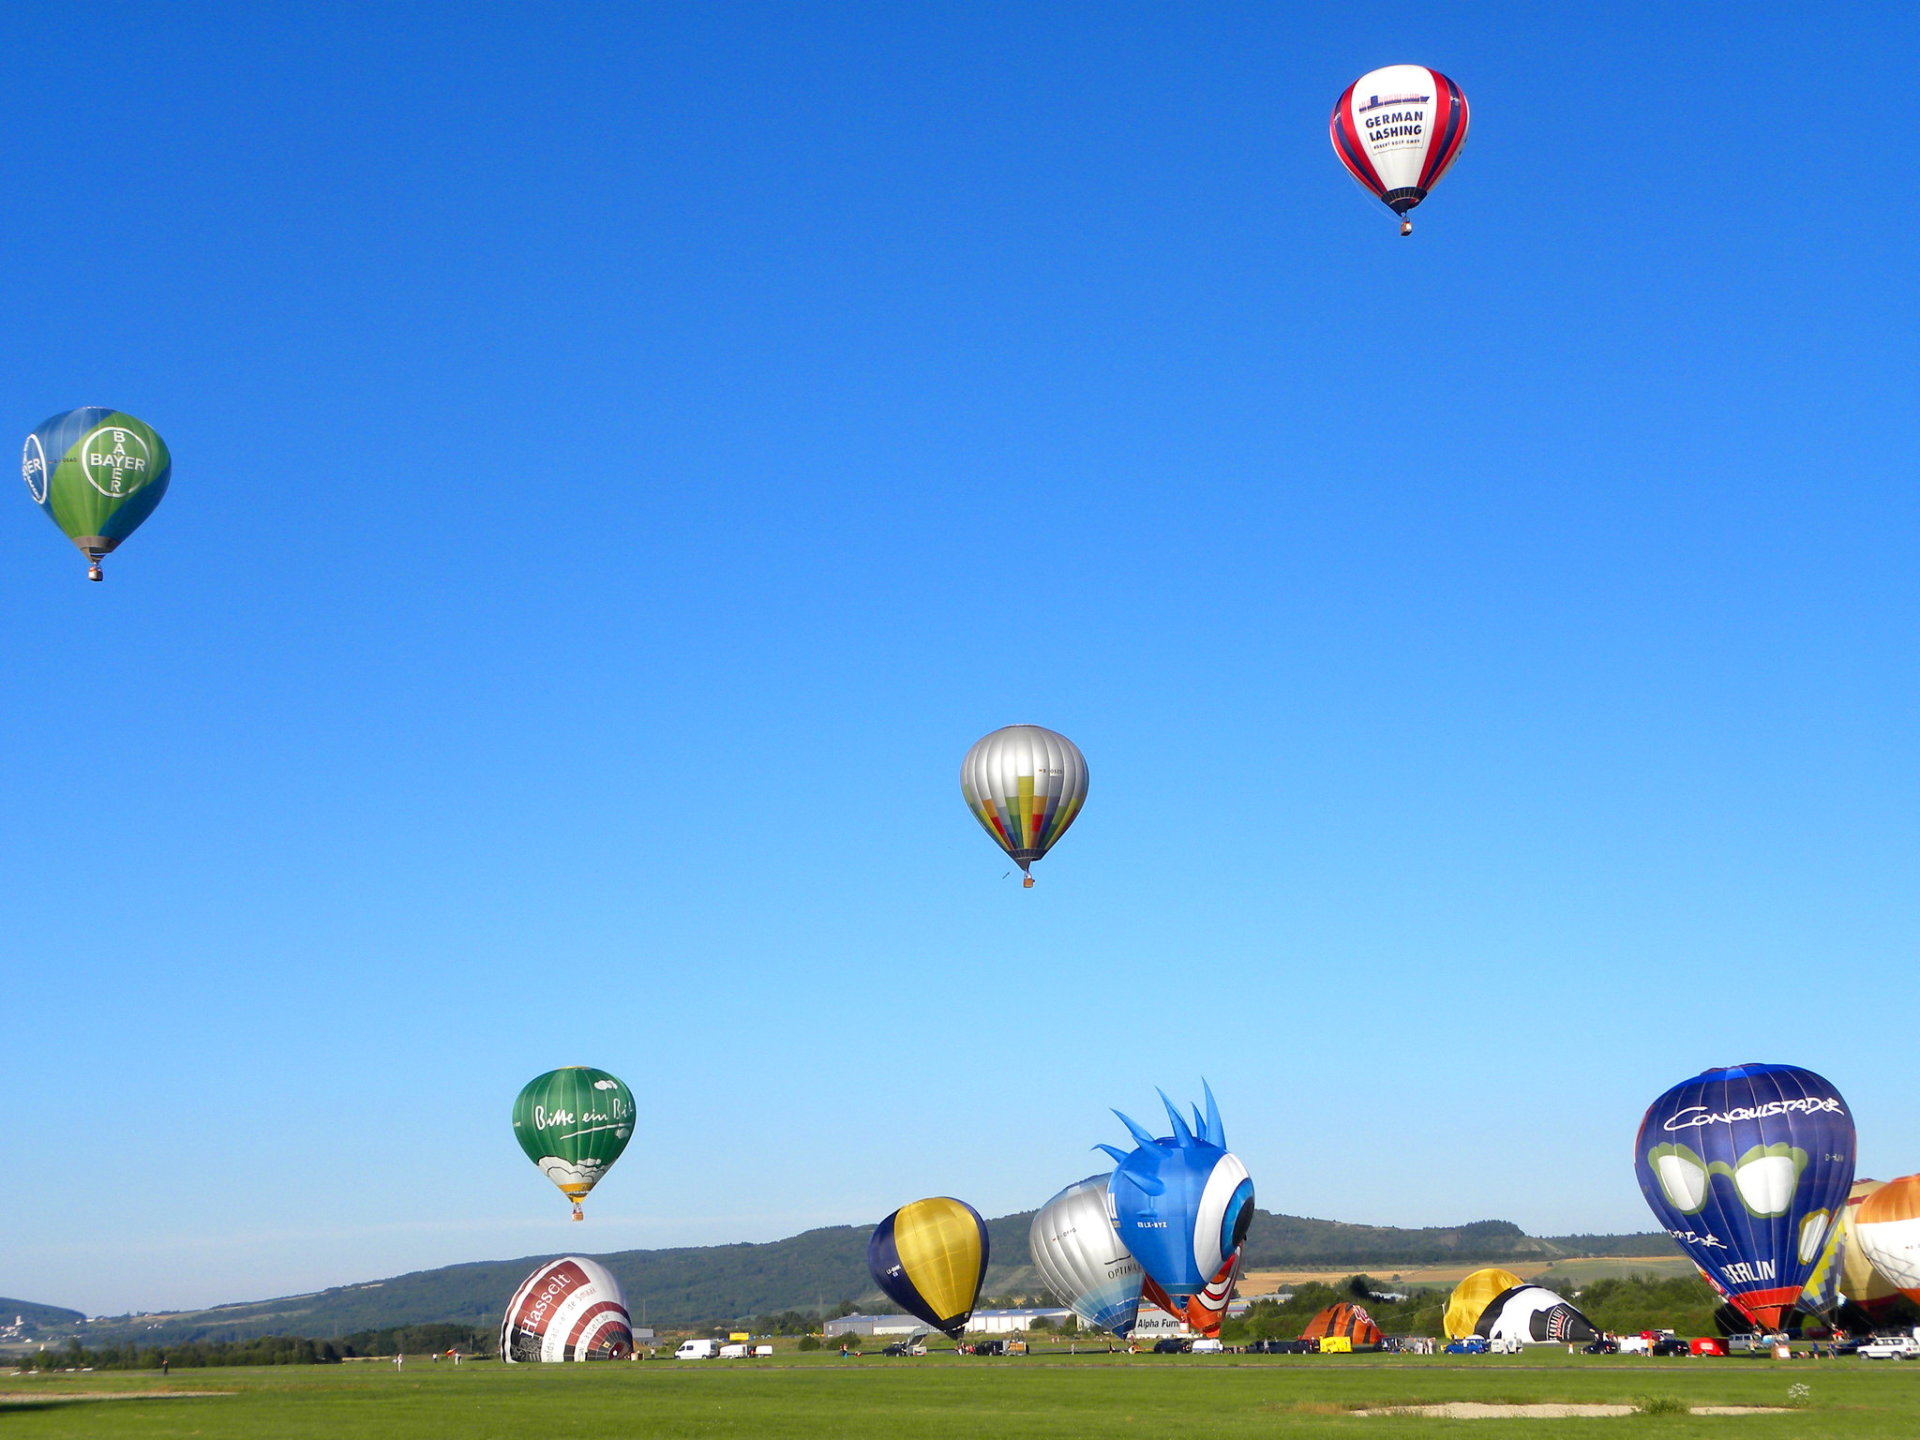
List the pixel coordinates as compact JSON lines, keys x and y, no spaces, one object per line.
{"x":1082,"y":1260}
{"x":1887,"y":1229}
{"x":97,"y":473}
{"x":1845,"y":1282}
{"x":1207,"y":1306}
{"x":1343,"y":1319}
{"x":1181,"y":1203}
{"x":568,"y":1309}
{"x":930,"y":1257}
{"x":1472,"y":1296}
{"x":1397,"y":130}
{"x":1747,"y":1168}
{"x":1533,"y":1315}
{"x":573,"y":1123}
{"x":1024,"y":784}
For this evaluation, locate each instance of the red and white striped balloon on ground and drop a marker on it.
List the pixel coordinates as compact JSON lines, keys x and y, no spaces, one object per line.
{"x":568,"y":1309}
{"x":1397,"y":129}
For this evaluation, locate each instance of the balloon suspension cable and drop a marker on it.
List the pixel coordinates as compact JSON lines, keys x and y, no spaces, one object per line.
{"x":1406,"y":227}
{"x":578,"y":1213}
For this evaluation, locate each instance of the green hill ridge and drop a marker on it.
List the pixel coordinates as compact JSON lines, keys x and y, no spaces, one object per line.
{"x":812,"y":1271}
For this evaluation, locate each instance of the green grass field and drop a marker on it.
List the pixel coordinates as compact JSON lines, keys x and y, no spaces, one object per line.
{"x":944,"y":1396}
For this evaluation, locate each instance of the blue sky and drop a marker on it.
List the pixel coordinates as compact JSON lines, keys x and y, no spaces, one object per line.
{"x":623,"y":456}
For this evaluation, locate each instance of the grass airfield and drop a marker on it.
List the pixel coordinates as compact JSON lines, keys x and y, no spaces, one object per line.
{"x":1048,"y":1394}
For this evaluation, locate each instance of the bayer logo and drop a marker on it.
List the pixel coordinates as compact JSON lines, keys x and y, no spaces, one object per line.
{"x":116,"y":461}
{"x":33,"y":469}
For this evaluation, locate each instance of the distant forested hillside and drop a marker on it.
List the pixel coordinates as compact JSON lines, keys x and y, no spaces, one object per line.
{"x":35,"y":1318}
{"x":814,"y":1271}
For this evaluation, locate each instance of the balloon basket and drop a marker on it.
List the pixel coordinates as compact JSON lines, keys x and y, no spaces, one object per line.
{"x":1406,"y":227}
{"x":578,"y":1213}
{"x":94,"y":572}
{"x":1027,"y":883}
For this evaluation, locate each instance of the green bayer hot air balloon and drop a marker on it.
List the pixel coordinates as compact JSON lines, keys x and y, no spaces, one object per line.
{"x":573,"y":1123}
{"x":97,"y":473}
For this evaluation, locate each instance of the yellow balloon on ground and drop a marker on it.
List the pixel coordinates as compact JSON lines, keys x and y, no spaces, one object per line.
{"x":930,"y":1258}
{"x":1471,"y":1297}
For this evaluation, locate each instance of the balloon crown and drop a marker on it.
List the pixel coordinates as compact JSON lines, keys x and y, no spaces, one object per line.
{"x":1144,"y":1162}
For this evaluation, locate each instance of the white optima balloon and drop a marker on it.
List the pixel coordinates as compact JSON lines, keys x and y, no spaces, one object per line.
{"x":569,"y":1309}
{"x":1025,"y":785}
{"x":1082,"y":1260}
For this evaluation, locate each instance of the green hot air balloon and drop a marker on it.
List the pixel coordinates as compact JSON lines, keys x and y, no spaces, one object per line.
{"x":97,"y":473}
{"x":573,"y":1123}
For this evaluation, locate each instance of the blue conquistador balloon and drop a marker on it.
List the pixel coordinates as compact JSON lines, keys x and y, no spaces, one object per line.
{"x":1747,"y":1168}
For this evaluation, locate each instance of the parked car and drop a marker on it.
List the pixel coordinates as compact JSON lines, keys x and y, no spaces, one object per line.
{"x":1601,"y":1347}
{"x":1170,"y":1346}
{"x":1889,"y":1347}
{"x":1671,"y":1345}
{"x":905,"y":1347}
{"x":1472,"y":1345}
{"x":1284,"y":1347}
{"x":1206,"y":1347}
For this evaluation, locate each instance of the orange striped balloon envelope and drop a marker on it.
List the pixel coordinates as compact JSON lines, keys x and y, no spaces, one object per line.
{"x":1352,"y":1321}
{"x":1887,"y":1228}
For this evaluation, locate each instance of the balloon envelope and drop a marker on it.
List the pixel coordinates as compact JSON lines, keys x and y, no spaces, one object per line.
{"x":1533,"y":1315}
{"x":1082,"y":1260}
{"x":1352,"y":1321}
{"x":573,"y":1123}
{"x":97,"y":473}
{"x":1398,"y":130}
{"x":568,"y":1309}
{"x":1887,"y":1228}
{"x":1845,"y":1277}
{"x":930,"y":1257}
{"x":1471,"y":1297}
{"x":1181,"y":1203}
{"x":1025,"y":785}
{"x":1747,"y":1168}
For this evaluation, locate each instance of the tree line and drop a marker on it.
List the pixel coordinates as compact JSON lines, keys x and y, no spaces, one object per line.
{"x":264,"y":1350}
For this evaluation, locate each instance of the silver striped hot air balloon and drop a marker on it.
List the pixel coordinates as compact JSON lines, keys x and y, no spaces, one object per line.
{"x":1025,"y":785}
{"x":1082,"y":1260}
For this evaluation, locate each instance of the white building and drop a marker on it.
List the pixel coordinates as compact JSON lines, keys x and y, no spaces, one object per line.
{"x":1011,"y":1322}
{"x":873,"y":1325}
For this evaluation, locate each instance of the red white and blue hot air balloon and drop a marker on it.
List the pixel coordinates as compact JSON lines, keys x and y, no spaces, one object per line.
{"x":1397,"y":129}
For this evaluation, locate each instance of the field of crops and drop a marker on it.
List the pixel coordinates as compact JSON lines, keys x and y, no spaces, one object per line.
{"x":946,"y":1397}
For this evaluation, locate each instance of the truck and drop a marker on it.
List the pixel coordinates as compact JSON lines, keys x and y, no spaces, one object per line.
{"x":1889,"y":1347}
{"x":698,"y":1350}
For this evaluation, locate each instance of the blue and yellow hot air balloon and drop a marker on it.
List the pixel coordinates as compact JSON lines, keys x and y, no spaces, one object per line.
{"x":97,"y":473}
{"x":930,"y":1257}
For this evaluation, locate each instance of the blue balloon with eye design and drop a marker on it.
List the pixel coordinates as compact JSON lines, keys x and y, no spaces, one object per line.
{"x":1748,"y":1168}
{"x":1180,"y":1203}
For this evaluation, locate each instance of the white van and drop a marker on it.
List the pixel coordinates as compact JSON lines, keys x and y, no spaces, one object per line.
{"x":1207,"y":1347}
{"x":735,"y":1352}
{"x":697,"y":1350}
